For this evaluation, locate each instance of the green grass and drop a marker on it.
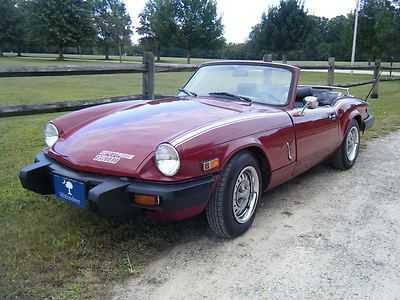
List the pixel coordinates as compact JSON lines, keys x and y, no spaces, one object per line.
{"x":25,"y":90}
{"x":15,"y":91}
{"x":49,"y":249}
{"x":50,"y":89}
{"x":32,"y":58}
{"x":29,"y":59}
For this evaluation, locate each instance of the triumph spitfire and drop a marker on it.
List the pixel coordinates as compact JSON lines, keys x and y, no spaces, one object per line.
{"x":234,"y":131}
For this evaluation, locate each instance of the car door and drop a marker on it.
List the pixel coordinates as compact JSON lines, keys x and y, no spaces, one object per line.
{"x":317,"y":136}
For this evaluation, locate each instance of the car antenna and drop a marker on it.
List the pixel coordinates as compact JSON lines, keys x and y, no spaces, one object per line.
{"x":373,"y":85}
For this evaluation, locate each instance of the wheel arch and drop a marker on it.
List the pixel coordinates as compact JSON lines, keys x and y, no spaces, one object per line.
{"x":354,"y":115}
{"x":360,"y":122}
{"x":258,"y":152}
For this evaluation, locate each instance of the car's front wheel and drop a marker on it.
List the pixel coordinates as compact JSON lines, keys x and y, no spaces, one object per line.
{"x":232,"y":208}
{"x":346,"y":155}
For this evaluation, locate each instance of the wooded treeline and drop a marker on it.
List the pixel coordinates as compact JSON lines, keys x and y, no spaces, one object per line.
{"x":193,"y":28}
{"x":288,"y":30}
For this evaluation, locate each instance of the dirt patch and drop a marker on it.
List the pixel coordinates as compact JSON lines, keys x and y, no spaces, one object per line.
{"x":325,"y":234}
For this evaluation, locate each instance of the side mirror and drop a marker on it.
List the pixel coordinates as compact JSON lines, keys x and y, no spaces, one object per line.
{"x":311,"y":102}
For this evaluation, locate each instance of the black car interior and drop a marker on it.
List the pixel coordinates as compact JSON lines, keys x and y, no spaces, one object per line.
{"x":324,"y":96}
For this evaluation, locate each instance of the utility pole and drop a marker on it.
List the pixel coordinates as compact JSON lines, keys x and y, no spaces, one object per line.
{"x":353,"y":52}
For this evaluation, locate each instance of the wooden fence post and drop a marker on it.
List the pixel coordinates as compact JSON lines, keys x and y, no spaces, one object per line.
{"x":267,"y":57}
{"x":377,"y":71}
{"x":331,"y":71}
{"x":148,"y":76}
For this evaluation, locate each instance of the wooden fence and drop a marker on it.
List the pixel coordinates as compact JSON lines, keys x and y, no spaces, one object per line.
{"x":148,"y":69}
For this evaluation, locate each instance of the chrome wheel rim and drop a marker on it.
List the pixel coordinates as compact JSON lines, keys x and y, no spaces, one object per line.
{"x":245,"y":194}
{"x":352,"y":143}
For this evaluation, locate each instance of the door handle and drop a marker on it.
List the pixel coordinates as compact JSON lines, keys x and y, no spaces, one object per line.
{"x":332,"y":116}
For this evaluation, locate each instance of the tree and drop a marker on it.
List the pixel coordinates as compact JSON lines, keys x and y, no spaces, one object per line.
{"x":19,"y":32}
{"x":158,"y":26}
{"x":315,"y":44}
{"x":61,"y":22}
{"x":284,"y":28}
{"x":235,"y":51}
{"x":7,"y":22}
{"x":378,"y":25}
{"x":112,"y":23}
{"x":199,"y":25}
{"x":339,"y":36}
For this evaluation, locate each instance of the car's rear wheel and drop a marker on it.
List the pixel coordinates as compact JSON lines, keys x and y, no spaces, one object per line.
{"x":233,"y":206}
{"x":346,"y":155}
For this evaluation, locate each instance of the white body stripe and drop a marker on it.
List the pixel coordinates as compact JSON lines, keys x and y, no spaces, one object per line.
{"x":187,"y":136}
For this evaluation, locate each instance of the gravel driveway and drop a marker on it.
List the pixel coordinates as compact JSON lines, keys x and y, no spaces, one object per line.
{"x":325,"y":234}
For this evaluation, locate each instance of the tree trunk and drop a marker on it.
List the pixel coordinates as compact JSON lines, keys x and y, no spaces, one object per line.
{"x":1,"y":51}
{"x":120,"y":55}
{"x":107,"y":57}
{"x":188,"y":57}
{"x":60,"y":52}
{"x":19,"y":52}
{"x":284,"y":59}
{"x":158,"y":53}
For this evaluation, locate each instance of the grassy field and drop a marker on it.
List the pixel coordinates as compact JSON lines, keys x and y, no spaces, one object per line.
{"x":32,"y":58}
{"x":49,"y":249}
{"x":25,"y":90}
{"x":30,"y":90}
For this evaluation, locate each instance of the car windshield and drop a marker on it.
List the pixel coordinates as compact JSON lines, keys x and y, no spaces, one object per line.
{"x":261,"y":84}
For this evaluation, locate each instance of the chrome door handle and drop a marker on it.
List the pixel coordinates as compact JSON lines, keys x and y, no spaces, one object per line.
{"x":332,"y":116}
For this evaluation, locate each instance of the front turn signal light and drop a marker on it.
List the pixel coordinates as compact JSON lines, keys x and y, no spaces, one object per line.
{"x":211,"y":164}
{"x":146,"y":200}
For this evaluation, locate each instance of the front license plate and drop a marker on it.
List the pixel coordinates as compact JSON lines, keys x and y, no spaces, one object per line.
{"x":70,"y":190}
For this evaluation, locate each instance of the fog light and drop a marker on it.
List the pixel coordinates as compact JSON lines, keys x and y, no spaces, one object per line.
{"x":146,"y":199}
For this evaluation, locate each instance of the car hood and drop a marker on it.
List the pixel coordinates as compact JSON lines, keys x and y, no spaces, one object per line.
{"x":119,"y":142}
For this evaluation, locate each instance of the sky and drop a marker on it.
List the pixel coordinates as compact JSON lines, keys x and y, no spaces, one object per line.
{"x":239,"y":16}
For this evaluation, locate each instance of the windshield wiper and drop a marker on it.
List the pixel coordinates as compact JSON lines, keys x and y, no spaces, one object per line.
{"x":189,"y":93}
{"x":231,"y":96}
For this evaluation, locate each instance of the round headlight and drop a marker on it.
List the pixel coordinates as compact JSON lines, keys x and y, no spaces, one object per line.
{"x":167,"y":159}
{"x":50,"y":134}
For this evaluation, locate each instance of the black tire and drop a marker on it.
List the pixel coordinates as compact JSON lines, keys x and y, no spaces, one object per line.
{"x":341,"y":159}
{"x":220,"y":210}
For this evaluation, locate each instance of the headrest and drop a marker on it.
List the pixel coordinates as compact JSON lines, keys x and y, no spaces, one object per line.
{"x":302,"y":92}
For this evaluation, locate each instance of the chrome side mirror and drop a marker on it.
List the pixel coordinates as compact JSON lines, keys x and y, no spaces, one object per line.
{"x":310,"y":102}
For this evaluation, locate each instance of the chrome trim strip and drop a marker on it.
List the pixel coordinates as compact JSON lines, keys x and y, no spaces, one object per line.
{"x":179,"y":140}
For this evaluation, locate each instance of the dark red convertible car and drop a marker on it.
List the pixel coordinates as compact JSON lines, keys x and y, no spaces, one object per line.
{"x":235,"y":130}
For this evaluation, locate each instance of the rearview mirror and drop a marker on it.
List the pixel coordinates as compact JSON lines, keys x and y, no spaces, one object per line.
{"x":310,"y":102}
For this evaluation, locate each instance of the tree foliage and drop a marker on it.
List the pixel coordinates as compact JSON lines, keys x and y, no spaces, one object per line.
{"x":379,"y":29}
{"x":193,"y":28}
{"x":8,"y":20}
{"x":287,"y":28}
{"x":112,"y":24}
{"x":284,"y":28}
{"x":188,"y":24}
{"x":199,"y":25}
{"x":158,"y":27}
{"x":61,"y":22}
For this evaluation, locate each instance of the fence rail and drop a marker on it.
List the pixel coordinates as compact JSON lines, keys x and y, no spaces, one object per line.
{"x":148,"y":69}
